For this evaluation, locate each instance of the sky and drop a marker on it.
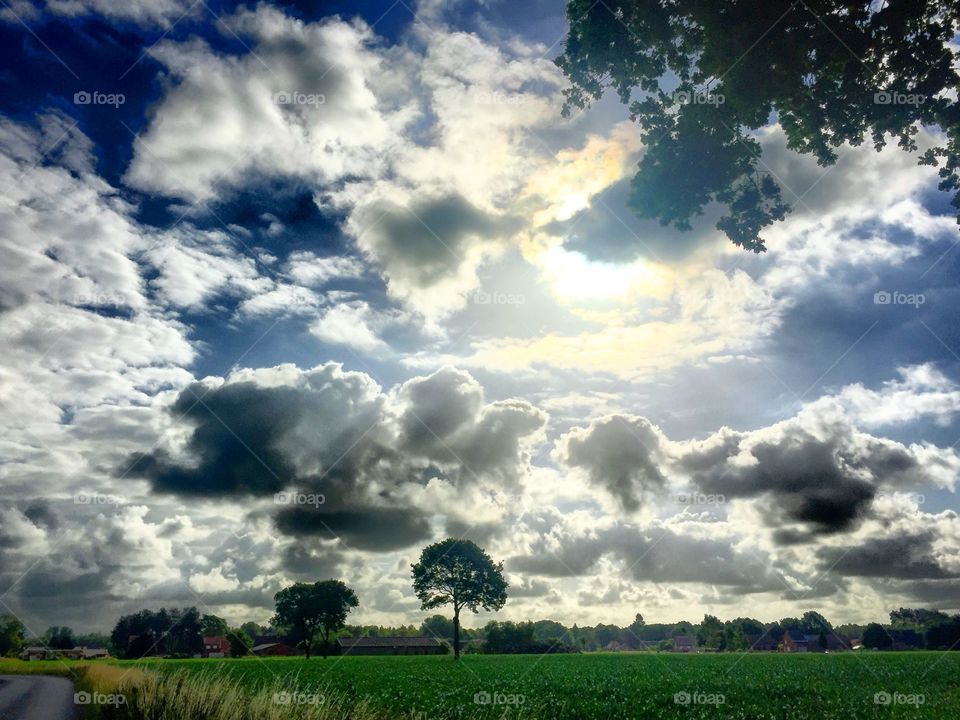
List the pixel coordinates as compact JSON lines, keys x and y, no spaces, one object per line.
{"x":290,"y":290}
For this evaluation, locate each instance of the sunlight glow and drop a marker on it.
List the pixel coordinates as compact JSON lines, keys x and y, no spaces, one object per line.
{"x":575,"y":278}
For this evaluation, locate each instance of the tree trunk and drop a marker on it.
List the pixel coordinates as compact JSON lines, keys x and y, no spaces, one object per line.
{"x":456,"y":633}
{"x":307,"y":645}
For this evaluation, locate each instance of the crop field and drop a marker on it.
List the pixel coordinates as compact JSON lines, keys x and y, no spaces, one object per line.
{"x":612,"y":686}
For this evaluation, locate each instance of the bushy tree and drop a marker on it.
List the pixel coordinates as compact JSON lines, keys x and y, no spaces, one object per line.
{"x":213,"y":626}
{"x":813,"y":623}
{"x":307,"y":610}
{"x":11,"y":635}
{"x":164,"y":632}
{"x":944,"y":635}
{"x":437,"y":626}
{"x":710,"y":633}
{"x":876,"y":637}
{"x":240,"y":642}
{"x":60,"y":638}
{"x":457,"y":572}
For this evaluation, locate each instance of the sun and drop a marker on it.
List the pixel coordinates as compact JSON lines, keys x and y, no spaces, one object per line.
{"x":574,"y":278}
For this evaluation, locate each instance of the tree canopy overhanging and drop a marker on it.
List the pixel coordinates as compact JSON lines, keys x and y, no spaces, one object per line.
{"x":700,"y":76}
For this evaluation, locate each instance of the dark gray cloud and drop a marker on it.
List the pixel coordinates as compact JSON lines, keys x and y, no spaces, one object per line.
{"x":306,"y":561}
{"x":360,"y":527}
{"x":619,"y":453}
{"x":234,"y":445}
{"x":40,"y":513}
{"x":359,"y":453}
{"x":906,"y":557}
{"x":656,"y":554}
{"x":815,"y":474}
{"x":428,"y":241}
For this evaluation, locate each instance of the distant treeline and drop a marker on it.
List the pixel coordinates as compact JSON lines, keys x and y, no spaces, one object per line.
{"x":179,"y":632}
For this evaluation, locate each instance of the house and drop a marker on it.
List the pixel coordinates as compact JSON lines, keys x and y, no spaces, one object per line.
{"x":75,"y":653}
{"x":391,"y":646}
{"x":92,"y":653}
{"x":272,"y":649}
{"x":35,"y":652}
{"x":682,"y":643}
{"x":766,"y":641}
{"x":216,"y":646}
{"x":795,"y":641}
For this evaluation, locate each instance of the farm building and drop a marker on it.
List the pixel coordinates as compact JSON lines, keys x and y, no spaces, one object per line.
{"x":391,"y":646}
{"x":37,"y":652}
{"x":273,"y":649}
{"x":795,"y":641}
{"x":683,"y":643}
{"x":762,"y":642}
{"x":216,"y":647}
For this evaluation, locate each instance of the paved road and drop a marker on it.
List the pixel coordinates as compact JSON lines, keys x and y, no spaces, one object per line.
{"x":37,"y":697}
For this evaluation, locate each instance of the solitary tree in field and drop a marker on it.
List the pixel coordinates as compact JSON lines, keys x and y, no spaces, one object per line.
{"x":310,"y":609}
{"x":459,"y":573}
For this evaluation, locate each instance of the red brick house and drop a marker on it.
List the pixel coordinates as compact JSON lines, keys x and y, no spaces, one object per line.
{"x":216,"y":647}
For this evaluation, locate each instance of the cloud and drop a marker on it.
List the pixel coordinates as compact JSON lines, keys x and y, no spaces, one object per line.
{"x":430,"y":248}
{"x":350,"y":324}
{"x":922,"y":391}
{"x":656,"y":553}
{"x":309,"y":269}
{"x":620,"y":454}
{"x":368,"y":458}
{"x":905,"y":557}
{"x":300,"y":104}
{"x":162,"y":13}
{"x":814,"y":474}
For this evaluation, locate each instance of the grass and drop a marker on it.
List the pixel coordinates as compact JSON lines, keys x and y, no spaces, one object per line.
{"x":585,"y":687}
{"x":636,"y":685}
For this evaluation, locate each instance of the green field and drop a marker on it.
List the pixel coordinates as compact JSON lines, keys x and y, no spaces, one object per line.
{"x":620,"y":686}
